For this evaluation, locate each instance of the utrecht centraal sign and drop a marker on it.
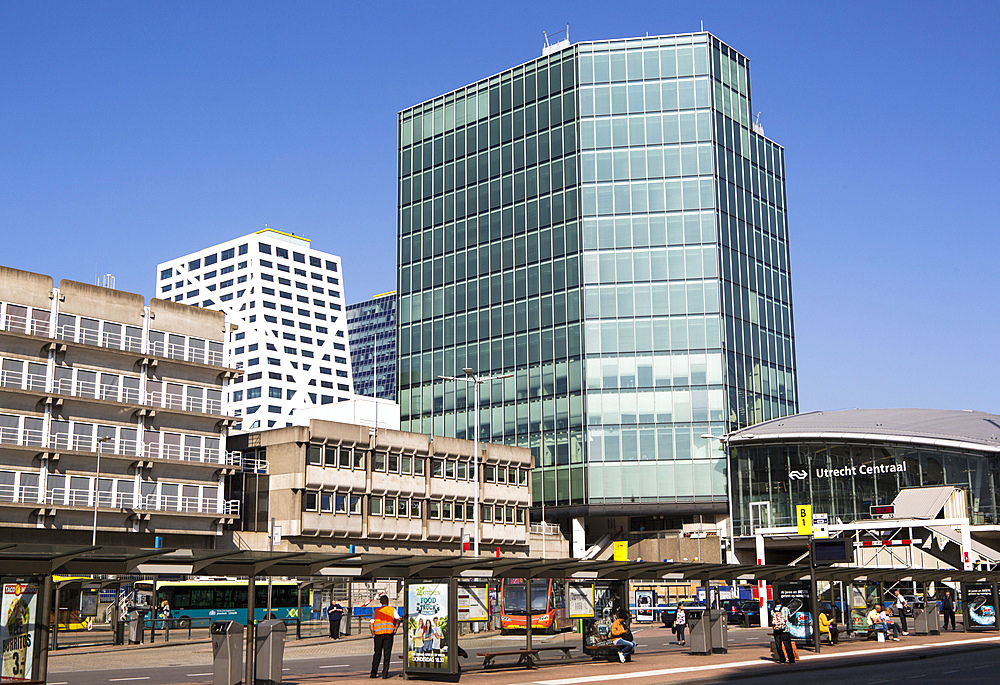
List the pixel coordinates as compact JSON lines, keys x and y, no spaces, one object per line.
{"x":860,"y":470}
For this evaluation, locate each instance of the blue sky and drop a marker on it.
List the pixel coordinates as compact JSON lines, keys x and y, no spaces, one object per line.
{"x":133,"y":132}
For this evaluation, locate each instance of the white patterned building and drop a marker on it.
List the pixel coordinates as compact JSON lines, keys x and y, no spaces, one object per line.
{"x":284,"y":302}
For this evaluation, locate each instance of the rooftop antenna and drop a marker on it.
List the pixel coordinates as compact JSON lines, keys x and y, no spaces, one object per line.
{"x":702,"y":25}
{"x":106,"y":281}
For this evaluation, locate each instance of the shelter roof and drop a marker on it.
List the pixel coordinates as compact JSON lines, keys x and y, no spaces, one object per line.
{"x":88,"y":560}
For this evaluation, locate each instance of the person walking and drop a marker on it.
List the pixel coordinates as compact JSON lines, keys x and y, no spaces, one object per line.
{"x":336,"y":614}
{"x":383,"y":626}
{"x":948,"y":609}
{"x":782,"y":638}
{"x":900,"y":604}
{"x":680,"y":623}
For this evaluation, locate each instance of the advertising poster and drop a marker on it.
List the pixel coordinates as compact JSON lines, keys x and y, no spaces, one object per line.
{"x":473,"y":602}
{"x":427,"y":627}
{"x":795,"y":601}
{"x":610,"y":599}
{"x":581,"y":600}
{"x":644,"y":606}
{"x":980,"y":610}
{"x":18,"y":613}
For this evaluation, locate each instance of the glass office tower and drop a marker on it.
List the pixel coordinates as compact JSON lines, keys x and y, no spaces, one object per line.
{"x":369,"y":324}
{"x":607,"y":224}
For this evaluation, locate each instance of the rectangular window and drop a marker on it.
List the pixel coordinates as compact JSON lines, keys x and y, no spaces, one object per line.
{"x":311,"y":501}
{"x":211,"y":259}
{"x":281,"y":252}
{"x":326,"y":502}
{"x":266,"y":249}
{"x":299,"y":257}
{"x":375,"y":506}
{"x":315,"y":455}
{"x":228,"y":254}
{"x":194,"y":264}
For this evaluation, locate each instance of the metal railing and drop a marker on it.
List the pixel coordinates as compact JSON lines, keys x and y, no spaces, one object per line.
{"x":156,"y":348}
{"x":173,"y":400}
{"x":29,"y":437}
{"x":63,"y":386}
{"x":83,"y":443}
{"x":130,"y":395}
{"x":234,"y":459}
{"x":10,"y":436}
{"x":55,"y":495}
{"x":196,"y":355}
{"x":32,"y":437}
{"x":231,"y":508}
{"x":175,"y":351}
{"x":112,"y":340}
{"x":215,"y":358}
{"x":194,"y":404}
{"x":21,"y":324}
{"x":89,"y":336}
{"x":133,"y":344}
{"x":109,"y":392}
{"x":23,"y":493}
{"x":66,"y":332}
{"x":36,"y":381}
{"x":213,"y":406}
{"x":86,"y":389}
{"x":12,"y":379}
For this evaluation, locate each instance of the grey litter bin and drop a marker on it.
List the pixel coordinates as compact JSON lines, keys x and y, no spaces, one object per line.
{"x":925,"y":618}
{"x":270,"y":650}
{"x":136,"y":625}
{"x":227,"y":653}
{"x":697,"y":624}
{"x":720,"y":631}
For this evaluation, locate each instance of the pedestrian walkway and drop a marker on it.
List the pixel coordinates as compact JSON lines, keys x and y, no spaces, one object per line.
{"x":317,"y":661}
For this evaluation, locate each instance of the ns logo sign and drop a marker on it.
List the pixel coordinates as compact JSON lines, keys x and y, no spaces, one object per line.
{"x":798,"y":475}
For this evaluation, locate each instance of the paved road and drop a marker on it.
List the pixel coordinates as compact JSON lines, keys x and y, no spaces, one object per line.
{"x":969,"y":668}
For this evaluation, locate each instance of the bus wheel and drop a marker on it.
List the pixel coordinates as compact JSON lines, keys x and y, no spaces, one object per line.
{"x":504,"y":631}
{"x":183,"y":623}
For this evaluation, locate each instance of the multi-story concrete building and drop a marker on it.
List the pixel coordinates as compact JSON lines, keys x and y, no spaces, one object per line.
{"x":371,"y":326}
{"x":285,"y":303}
{"x":103,"y":397}
{"x":608,"y":224}
{"x":335,"y":485}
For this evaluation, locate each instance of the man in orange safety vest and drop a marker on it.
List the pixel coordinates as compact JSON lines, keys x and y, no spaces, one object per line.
{"x":383,"y":626}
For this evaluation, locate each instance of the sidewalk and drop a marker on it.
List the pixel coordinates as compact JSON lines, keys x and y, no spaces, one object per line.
{"x":657,"y":659}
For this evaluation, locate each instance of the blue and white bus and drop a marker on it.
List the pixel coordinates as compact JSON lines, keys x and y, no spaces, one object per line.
{"x":226,"y":600}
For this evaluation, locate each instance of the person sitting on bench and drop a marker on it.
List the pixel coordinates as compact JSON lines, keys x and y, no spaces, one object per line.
{"x":890,"y":625}
{"x":622,"y":637}
{"x":828,"y":625}
{"x":875,"y":619}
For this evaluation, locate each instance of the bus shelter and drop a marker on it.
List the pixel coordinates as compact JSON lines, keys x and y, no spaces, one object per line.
{"x":460,"y":591}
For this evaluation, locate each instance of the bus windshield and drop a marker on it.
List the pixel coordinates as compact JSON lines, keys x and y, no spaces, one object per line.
{"x":513,"y":597}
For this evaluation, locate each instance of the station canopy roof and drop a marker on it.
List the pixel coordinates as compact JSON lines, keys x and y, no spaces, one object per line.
{"x":965,"y":429}
{"x":88,"y":560}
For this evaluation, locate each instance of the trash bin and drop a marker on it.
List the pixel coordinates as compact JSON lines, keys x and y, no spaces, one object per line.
{"x":270,"y":650}
{"x":136,"y":625}
{"x":720,"y":631}
{"x":227,"y":653}
{"x":697,"y":624}
{"x":120,"y":632}
{"x":925,"y":618}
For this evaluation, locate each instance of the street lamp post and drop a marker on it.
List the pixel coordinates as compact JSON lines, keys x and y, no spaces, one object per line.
{"x":472,"y":377}
{"x":97,"y":486}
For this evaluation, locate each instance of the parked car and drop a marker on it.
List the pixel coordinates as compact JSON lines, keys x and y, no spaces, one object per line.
{"x":670,"y":613}
{"x":742,"y":612}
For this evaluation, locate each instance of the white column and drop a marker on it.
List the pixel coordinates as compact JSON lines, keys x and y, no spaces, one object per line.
{"x":579,"y":538}
{"x":762,"y":585}
{"x":966,"y":547}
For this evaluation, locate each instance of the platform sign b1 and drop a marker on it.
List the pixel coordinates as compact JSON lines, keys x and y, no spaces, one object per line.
{"x":803,"y":516}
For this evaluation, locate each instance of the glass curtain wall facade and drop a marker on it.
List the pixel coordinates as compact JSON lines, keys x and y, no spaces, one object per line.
{"x":845,"y":479}
{"x":369,"y":324}
{"x":606,"y":224}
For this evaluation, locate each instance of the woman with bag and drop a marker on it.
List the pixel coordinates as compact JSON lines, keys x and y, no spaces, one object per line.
{"x":680,"y":622}
{"x":783,"y":645}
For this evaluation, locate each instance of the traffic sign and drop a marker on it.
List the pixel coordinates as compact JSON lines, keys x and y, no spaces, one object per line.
{"x":804,"y":518}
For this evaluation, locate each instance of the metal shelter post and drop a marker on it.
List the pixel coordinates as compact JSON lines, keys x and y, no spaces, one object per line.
{"x":350,"y":609}
{"x":527,"y":613}
{"x":708,"y":616}
{"x":298,"y":610}
{"x":251,"y":676}
{"x":815,"y":595}
{"x":43,"y":651}
{"x":54,"y":628}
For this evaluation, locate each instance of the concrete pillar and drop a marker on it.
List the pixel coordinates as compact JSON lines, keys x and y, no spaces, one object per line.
{"x":765,"y":620}
{"x":579,"y":538}
{"x":966,"y":547}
